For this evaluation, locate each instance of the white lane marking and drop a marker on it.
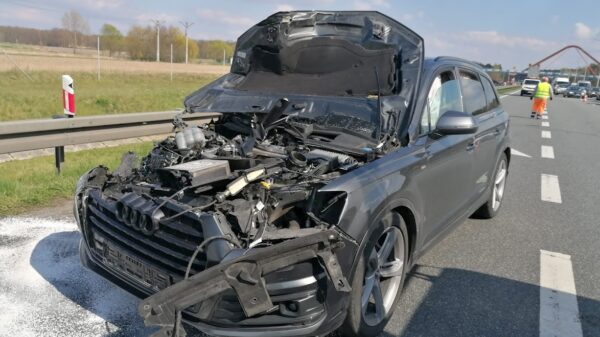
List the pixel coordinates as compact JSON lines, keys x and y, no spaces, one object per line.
{"x":519,"y":153}
{"x":544,"y":116}
{"x":546,"y":124}
{"x":551,"y":188}
{"x":559,"y":313}
{"x":546,"y":134}
{"x":510,"y":93}
{"x":547,"y":152}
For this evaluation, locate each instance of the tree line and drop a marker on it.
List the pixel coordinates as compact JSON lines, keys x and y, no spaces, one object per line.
{"x":138,"y":43}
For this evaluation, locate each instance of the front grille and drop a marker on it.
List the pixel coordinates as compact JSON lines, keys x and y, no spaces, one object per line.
{"x":159,"y":259}
{"x":168,"y":249}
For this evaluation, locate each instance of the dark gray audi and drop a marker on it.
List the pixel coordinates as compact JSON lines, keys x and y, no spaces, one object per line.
{"x":340,"y":156}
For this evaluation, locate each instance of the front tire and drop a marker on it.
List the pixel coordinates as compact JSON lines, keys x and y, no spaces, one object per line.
{"x":378,"y":280}
{"x":492,"y":206}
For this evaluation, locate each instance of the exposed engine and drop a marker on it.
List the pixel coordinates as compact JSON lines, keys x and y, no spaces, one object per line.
{"x":249,"y":182}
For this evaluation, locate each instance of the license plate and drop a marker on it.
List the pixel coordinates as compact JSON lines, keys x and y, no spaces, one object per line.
{"x":118,"y":260}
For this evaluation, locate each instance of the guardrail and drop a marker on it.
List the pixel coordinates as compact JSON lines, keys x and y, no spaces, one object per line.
{"x":16,"y":136}
{"x":38,"y":134}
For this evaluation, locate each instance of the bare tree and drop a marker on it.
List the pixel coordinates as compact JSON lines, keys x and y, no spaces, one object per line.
{"x":75,"y":23}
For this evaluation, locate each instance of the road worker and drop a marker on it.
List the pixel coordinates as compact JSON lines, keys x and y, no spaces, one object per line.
{"x":540,"y":96}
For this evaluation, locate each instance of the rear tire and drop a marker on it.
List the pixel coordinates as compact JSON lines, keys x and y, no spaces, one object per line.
{"x":378,"y":280}
{"x":492,"y":206}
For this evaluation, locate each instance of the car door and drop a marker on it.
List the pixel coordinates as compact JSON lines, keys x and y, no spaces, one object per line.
{"x":443,"y":180}
{"x":480,"y":100}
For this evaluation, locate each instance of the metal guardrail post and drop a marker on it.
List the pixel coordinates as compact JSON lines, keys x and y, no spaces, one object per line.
{"x":59,"y":157}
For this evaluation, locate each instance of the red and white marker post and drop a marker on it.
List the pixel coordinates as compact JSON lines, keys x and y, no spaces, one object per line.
{"x":68,"y":93}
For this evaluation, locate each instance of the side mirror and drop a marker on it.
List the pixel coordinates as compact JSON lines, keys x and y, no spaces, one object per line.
{"x":456,"y":123}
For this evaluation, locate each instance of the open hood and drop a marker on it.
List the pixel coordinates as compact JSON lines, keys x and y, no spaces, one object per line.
{"x":340,"y":69}
{"x":319,"y":53}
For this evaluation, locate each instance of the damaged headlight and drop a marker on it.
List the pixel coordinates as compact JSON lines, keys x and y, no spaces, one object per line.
{"x":92,"y":178}
{"x":77,"y":202}
{"x":328,"y":206}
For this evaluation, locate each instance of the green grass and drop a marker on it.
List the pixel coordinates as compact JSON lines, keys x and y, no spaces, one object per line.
{"x":25,"y":184}
{"x":114,"y":93}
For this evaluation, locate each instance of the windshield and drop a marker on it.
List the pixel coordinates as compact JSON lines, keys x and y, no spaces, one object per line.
{"x":563,"y":85}
{"x":573,"y":87}
{"x":531,"y":82}
{"x":585,"y":85}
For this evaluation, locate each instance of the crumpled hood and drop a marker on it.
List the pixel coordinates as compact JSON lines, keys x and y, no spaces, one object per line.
{"x":317,"y":53}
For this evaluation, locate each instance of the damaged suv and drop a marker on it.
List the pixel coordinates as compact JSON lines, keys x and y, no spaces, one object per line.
{"x":341,"y":155}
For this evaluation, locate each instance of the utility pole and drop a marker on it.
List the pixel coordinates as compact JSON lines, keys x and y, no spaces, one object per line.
{"x":157,"y":23}
{"x":186,"y":25}
{"x":98,"y":59}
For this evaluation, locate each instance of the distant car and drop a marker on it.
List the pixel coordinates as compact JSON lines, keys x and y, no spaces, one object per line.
{"x":529,"y":86}
{"x":574,"y":91}
{"x":561,"y":88}
{"x":593,"y":92}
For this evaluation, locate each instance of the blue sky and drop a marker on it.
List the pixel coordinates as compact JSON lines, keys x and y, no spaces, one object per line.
{"x":513,"y":33}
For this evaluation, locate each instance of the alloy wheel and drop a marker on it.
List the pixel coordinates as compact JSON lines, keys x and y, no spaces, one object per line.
{"x":383,"y":274}
{"x":499,"y":183}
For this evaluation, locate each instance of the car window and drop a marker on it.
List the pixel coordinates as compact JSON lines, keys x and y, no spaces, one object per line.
{"x":472,"y":91}
{"x":531,"y":82}
{"x":490,"y":94}
{"x":444,"y":95}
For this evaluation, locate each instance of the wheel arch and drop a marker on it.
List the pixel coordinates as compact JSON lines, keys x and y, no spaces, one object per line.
{"x":411,"y":226}
{"x":406,"y":210}
{"x":507,"y":153}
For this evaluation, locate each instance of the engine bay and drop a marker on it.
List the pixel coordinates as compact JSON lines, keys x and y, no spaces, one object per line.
{"x":258,"y":176}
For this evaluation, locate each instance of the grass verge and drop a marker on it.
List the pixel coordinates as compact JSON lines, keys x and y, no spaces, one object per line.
{"x":113,"y":93}
{"x":25,"y":184}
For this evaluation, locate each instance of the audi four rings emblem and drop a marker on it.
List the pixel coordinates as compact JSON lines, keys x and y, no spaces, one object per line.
{"x":138,"y":215}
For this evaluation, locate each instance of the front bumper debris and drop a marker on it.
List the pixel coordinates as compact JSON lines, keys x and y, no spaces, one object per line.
{"x":245,"y":276}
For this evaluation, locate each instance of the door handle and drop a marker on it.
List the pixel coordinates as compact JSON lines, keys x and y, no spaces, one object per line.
{"x":471,"y":146}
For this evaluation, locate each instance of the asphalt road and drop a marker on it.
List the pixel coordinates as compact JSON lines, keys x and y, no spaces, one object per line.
{"x":534,"y":270}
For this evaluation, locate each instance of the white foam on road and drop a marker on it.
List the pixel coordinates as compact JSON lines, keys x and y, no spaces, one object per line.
{"x":545,"y":124}
{"x":546,"y":134}
{"x":547,"y":152}
{"x":551,"y":189}
{"x":46,"y":291}
{"x":559,"y":312}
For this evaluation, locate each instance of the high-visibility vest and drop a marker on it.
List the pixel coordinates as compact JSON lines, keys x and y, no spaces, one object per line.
{"x":543,"y":90}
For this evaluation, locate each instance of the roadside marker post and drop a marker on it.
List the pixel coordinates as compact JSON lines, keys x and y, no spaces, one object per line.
{"x":68,"y":94}
{"x":68,"y":98}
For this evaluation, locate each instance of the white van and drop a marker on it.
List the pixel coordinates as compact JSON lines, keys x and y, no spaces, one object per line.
{"x":560,"y":85}
{"x":529,"y":85}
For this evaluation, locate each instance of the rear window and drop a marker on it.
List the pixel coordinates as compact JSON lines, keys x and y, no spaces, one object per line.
{"x":490,"y":95}
{"x":531,"y":82}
